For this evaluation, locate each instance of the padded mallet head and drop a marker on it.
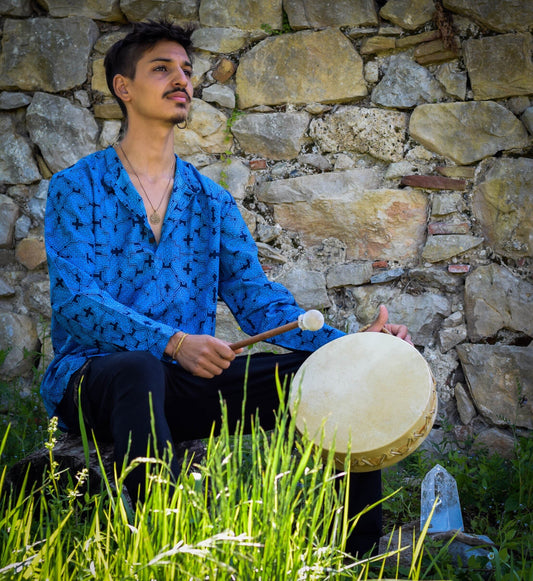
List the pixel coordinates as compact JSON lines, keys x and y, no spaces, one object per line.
{"x":311,"y":320}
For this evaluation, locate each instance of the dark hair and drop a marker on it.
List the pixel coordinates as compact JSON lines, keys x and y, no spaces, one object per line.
{"x":123,"y":56}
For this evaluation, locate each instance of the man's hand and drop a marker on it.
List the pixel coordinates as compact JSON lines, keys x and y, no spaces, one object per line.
{"x":202,"y":355}
{"x":400,"y":331}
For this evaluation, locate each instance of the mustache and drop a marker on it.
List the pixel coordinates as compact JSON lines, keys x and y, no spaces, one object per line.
{"x":177,"y":90}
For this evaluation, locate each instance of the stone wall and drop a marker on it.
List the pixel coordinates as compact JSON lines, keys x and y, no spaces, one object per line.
{"x":381,"y":152}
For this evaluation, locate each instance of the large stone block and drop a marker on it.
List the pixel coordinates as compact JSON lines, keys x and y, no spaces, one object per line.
{"x":467,"y":132}
{"x":220,"y":40}
{"x":318,"y":14}
{"x":243,"y":14}
{"x":379,"y":133}
{"x":503,"y":205}
{"x":439,"y":248}
{"x":9,"y":100}
{"x":107,"y":110}
{"x":272,"y":135}
{"x":449,"y":338}
{"x":307,"y":286}
{"x":495,"y":299}
{"x":406,"y":84}
{"x":64,"y":132}
{"x":372,"y":223}
{"x":233,"y":175}
{"x":409,"y":14}
{"x":106,"y":10}
{"x":177,"y":10}
{"x":498,"y":15}
{"x":31,"y":253}
{"x":499,"y":66}
{"x":309,"y":188}
{"x":19,"y":339}
{"x":349,"y":274}
{"x":108,"y":39}
{"x":278,"y":70}
{"x":500,"y":378}
{"x":17,"y":165}
{"x":15,"y":7}
{"x":46,"y":54}
{"x":220,"y":94}
{"x":496,"y":442}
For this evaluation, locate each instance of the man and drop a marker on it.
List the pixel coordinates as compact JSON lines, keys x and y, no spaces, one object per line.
{"x":140,"y":245}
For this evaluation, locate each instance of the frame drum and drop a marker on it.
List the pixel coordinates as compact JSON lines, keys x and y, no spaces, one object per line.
{"x":371,"y":396}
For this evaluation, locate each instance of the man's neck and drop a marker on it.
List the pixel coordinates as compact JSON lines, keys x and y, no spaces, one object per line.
{"x":150,"y":150}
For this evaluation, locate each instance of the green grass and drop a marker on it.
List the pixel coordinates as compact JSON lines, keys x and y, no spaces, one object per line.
{"x":279,"y":518}
{"x":261,"y":506}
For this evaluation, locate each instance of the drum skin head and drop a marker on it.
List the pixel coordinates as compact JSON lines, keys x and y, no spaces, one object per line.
{"x":368,"y":395}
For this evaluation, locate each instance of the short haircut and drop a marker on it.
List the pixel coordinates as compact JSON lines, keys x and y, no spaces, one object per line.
{"x":123,"y":56}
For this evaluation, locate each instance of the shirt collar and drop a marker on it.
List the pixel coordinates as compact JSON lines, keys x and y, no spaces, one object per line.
{"x":116,"y":178}
{"x":118,"y":183}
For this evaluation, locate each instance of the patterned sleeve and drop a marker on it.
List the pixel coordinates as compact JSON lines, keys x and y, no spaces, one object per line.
{"x":83,"y":310}
{"x":257,"y":303}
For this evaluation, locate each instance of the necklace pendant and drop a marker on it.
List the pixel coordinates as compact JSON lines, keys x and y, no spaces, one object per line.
{"x":155,"y":218}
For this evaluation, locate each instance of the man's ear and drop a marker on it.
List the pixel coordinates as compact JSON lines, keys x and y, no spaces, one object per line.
{"x":120,"y":85}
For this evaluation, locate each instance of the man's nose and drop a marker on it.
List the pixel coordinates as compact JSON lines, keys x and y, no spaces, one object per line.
{"x":180,"y":78}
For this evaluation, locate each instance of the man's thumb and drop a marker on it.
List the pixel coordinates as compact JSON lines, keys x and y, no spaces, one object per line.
{"x":380,"y":321}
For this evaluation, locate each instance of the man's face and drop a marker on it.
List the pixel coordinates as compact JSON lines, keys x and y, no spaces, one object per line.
{"x":161,"y":88}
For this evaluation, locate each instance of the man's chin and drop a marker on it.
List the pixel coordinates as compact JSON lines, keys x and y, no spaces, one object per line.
{"x":179,"y":118}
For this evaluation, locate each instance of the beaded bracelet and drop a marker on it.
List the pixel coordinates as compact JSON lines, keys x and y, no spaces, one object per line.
{"x":180,"y":343}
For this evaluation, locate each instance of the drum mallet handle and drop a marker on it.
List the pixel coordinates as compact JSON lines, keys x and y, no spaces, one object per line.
{"x":310,"y":321}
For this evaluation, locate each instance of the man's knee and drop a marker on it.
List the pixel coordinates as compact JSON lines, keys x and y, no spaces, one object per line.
{"x":137,"y":374}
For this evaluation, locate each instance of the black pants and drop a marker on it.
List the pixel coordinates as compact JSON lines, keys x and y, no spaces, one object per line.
{"x":117,"y":406}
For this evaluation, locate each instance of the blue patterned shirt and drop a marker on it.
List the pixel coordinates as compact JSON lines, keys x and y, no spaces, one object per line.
{"x":114,"y":288}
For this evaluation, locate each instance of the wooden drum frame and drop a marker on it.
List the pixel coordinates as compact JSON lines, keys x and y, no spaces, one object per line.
{"x":371,"y":396}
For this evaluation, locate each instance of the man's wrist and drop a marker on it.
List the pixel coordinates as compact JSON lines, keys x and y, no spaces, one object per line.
{"x":181,"y":339}
{"x":173,"y":343}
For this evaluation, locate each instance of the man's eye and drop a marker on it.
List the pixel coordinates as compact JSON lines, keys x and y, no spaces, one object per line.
{"x":160,"y":68}
{"x":187,"y":73}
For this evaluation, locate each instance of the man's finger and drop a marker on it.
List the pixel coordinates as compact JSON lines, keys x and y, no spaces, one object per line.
{"x":400,"y":331}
